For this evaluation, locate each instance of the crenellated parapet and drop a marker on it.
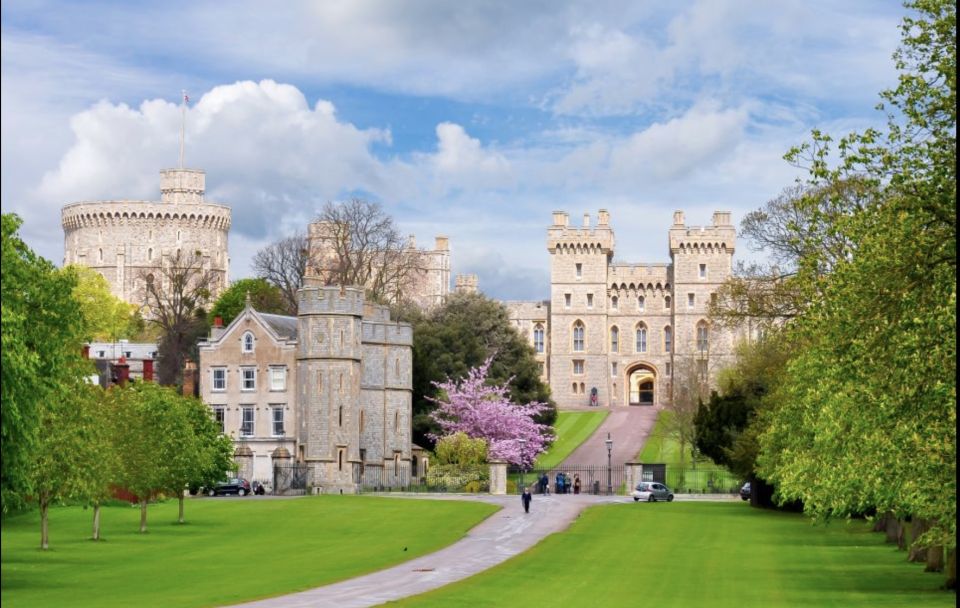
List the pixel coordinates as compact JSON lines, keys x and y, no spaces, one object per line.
{"x":330,"y":299}
{"x":719,"y":237}
{"x":564,"y":239}
{"x":145,"y":214}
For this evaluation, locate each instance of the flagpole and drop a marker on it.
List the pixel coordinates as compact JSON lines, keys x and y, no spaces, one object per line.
{"x":183,"y":121}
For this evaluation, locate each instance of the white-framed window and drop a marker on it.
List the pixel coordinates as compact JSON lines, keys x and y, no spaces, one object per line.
{"x":579,"y":270}
{"x":248,"y":342}
{"x":641,"y":338}
{"x":247,"y":421}
{"x":538,"y":335}
{"x":578,"y":336}
{"x":219,"y":379}
{"x":703,"y":271}
{"x":276,"y":417}
{"x":614,"y":339}
{"x":578,"y":367}
{"x":641,"y":304}
{"x":703,"y":337}
{"x":614,"y":302}
{"x":567,"y":299}
{"x":278,"y":378}
{"x":589,"y":300}
{"x":667,"y":339}
{"x":691,"y":300}
{"x":248,"y":378}
{"x":219,"y":415}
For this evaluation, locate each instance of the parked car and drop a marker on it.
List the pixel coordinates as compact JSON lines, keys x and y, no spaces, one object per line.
{"x":237,"y":485}
{"x":745,"y":491}
{"x":652,"y":491}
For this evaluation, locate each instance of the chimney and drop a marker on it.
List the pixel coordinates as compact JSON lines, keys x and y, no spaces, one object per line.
{"x":721,"y":218}
{"x":678,"y":218}
{"x":217,"y":330}
{"x":603,"y":218}
{"x":560,"y":218}
{"x":441,"y":243}
{"x":586,"y":220}
{"x":190,"y":379}
{"x":122,"y":371}
{"x":148,"y":370}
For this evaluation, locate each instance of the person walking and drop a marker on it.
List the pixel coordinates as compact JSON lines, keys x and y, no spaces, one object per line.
{"x":525,"y":498}
{"x":559,"y":483}
{"x":576,"y":484}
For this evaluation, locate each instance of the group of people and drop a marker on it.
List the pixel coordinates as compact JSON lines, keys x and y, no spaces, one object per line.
{"x":563,"y":484}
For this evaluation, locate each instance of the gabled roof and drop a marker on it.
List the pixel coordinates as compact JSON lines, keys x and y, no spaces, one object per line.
{"x":282,"y":325}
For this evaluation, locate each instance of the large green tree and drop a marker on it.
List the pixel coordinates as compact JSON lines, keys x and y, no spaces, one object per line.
{"x":105,"y":316}
{"x":460,"y":335}
{"x":40,"y":354}
{"x":264,"y":297}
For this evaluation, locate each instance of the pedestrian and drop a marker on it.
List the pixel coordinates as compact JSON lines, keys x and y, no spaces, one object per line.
{"x":576,"y":484}
{"x":559,"y":483}
{"x":544,"y":483}
{"x":525,"y":498}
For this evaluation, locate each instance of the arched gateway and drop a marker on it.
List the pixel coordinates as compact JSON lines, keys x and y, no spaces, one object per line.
{"x":642,"y":380}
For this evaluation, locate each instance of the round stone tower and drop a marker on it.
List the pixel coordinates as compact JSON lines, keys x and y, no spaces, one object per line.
{"x":124,"y":240}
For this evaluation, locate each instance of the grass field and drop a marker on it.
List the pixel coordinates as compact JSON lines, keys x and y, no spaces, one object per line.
{"x":572,"y":429}
{"x":684,"y":475}
{"x":703,"y":555}
{"x":230,"y":550}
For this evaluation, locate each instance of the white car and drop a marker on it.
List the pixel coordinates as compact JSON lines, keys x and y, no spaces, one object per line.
{"x":652,"y":491}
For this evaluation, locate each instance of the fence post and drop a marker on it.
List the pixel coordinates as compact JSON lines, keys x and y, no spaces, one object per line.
{"x":633,"y":472}
{"x":498,"y":477}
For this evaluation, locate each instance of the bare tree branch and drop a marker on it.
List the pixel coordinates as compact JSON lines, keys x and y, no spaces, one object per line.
{"x":284,"y":264}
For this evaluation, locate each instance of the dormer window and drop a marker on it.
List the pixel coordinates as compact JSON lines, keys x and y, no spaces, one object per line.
{"x":248,"y":342}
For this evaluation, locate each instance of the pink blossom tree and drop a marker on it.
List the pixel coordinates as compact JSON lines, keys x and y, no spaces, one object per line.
{"x":484,"y":411}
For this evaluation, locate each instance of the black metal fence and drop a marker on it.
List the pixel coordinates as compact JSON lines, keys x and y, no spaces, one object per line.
{"x":291,"y":479}
{"x":572,"y":479}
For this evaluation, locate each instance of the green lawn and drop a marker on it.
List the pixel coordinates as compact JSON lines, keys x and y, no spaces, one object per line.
{"x":684,"y":475}
{"x":230,"y":550}
{"x":572,"y":429}
{"x":700,"y":554}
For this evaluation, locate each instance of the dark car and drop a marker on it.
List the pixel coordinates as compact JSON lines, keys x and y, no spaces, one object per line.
{"x":237,"y":485}
{"x":745,"y":491}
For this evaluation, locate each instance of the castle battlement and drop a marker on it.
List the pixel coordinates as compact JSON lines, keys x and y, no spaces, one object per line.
{"x":719,"y":237}
{"x":330,"y":299}
{"x":561,"y":238}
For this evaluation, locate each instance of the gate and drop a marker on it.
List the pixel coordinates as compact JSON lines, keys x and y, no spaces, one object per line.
{"x":594,"y":479}
{"x":290,"y":479}
{"x":439,"y":478}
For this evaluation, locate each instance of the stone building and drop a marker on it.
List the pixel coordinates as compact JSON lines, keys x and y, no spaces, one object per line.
{"x":126,"y":240}
{"x":329,"y":388}
{"x":620,"y":331}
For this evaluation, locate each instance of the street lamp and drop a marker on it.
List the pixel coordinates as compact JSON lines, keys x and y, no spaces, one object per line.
{"x":523,"y":462}
{"x":609,"y":443}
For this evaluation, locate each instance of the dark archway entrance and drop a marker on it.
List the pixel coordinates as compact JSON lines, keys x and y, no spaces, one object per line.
{"x":642,"y":381}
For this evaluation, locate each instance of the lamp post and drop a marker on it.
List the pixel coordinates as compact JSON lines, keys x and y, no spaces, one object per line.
{"x":523,"y":462}
{"x":609,"y":443}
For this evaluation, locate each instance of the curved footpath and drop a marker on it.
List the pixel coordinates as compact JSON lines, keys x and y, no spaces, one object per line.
{"x":504,"y":534}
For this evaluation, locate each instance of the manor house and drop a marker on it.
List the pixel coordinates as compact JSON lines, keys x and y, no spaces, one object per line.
{"x":618,"y":334}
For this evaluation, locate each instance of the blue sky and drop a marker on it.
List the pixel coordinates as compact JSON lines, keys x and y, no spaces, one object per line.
{"x":473,"y":120}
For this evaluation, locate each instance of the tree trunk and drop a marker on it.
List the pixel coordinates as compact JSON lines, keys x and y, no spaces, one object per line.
{"x":44,"y":536}
{"x":951,"y":569}
{"x":934,"y":559}
{"x":880,"y":525}
{"x":917,"y":528}
{"x":143,"y":515}
{"x":181,"y":508}
{"x":893,"y":529}
{"x":902,"y":535}
{"x":96,"y":520}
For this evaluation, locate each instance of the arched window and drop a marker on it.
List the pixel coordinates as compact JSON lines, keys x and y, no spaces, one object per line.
{"x":99,"y":255}
{"x":578,"y":340}
{"x":666,"y":302}
{"x":641,"y":304}
{"x":667,"y":339}
{"x":248,"y":342}
{"x":703,"y":337}
{"x":614,"y":339}
{"x":614,"y":302}
{"x":150,"y":254}
{"x":641,"y":338}
{"x":538,"y":338}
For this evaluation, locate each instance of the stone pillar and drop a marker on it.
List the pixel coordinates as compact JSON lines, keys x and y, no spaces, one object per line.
{"x":634,"y":474}
{"x":280,"y":457}
{"x":243,"y":456}
{"x":498,"y":477}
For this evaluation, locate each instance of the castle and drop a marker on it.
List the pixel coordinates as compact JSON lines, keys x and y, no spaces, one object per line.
{"x":126,"y":240}
{"x":614,"y":333}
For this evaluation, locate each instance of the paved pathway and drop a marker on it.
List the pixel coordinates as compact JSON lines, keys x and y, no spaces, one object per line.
{"x":629,"y":428}
{"x":501,"y":536}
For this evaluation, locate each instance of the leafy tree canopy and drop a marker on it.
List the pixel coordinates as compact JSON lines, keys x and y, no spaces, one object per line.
{"x":106,"y":317}
{"x":264,"y":297}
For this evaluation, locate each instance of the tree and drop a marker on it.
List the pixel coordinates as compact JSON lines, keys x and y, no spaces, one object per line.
{"x":284,"y":264}
{"x":460,"y":449}
{"x":175,"y":300}
{"x":485,"y":411}
{"x":214,"y":455}
{"x":264,"y":297}
{"x":356,"y":243}
{"x":106,"y":317}
{"x":690,"y":388}
{"x":462,"y":334}
{"x":41,"y":353}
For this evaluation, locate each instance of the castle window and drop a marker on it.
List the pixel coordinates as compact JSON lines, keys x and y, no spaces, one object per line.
{"x":589,"y":300}
{"x":703,"y":337}
{"x":579,"y":271}
{"x":99,"y":255}
{"x":667,"y":339}
{"x":396,"y":421}
{"x":574,"y":388}
{"x":703,"y":271}
{"x":538,"y":338}
{"x":641,"y":304}
{"x":248,"y":378}
{"x":613,"y":370}
{"x":277,"y":419}
{"x":578,"y":367}
{"x":178,"y":235}
{"x":641,"y":338}
{"x":396,"y":464}
{"x":340,"y":416}
{"x":219,"y":378}
{"x":583,"y":388}
{"x":340,"y":459}
{"x":150,"y":254}
{"x":666,"y":302}
{"x":614,"y":301}
{"x":614,"y":339}
{"x":541,"y":367}
{"x":246,"y":424}
{"x":578,"y":340}
{"x":691,"y":300}
{"x":567,"y":299}
{"x":248,"y":342}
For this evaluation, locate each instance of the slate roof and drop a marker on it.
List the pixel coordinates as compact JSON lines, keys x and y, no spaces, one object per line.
{"x":286,"y":327}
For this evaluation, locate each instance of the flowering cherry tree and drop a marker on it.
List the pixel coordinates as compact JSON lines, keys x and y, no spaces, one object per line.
{"x":483,"y":411}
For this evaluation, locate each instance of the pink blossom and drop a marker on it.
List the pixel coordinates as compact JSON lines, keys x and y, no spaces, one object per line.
{"x":485,"y":411}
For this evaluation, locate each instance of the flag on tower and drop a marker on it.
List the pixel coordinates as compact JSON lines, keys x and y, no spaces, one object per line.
{"x":186,"y":98}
